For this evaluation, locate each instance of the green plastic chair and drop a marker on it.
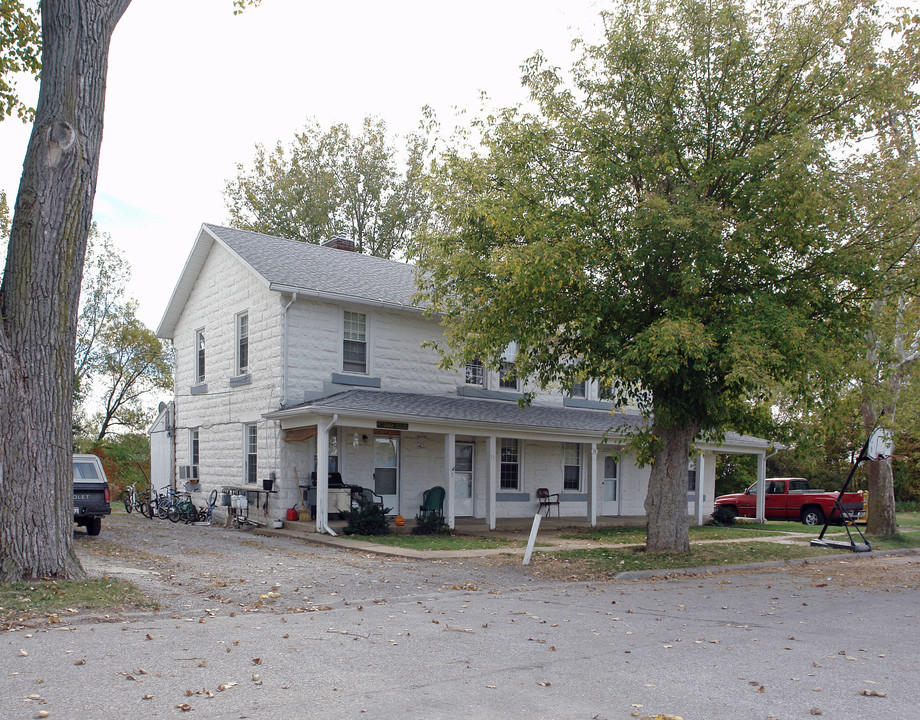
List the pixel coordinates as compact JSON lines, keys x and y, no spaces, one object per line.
{"x":432,"y":502}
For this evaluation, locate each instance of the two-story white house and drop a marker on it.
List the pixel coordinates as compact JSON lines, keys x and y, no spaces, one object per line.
{"x":297,"y":362}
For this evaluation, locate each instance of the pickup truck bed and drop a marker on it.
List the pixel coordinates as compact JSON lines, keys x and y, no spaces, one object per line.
{"x":91,"y":497}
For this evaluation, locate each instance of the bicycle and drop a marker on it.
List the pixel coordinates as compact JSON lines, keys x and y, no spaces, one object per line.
{"x":181,"y":507}
{"x":159,"y":503}
{"x":204,"y":514}
{"x":134,"y":501}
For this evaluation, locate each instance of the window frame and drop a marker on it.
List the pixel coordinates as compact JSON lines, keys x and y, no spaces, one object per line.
{"x":250,"y":453}
{"x":568,"y":484}
{"x":200,"y":356}
{"x":507,"y":482}
{"x":507,"y":368}
{"x":348,"y":366}
{"x":475,"y":369}
{"x":242,"y":343}
{"x":194,"y":448}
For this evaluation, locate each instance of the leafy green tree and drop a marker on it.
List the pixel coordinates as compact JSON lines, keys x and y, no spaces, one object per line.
{"x":334,"y":182}
{"x":20,"y":48}
{"x":670,"y":223}
{"x":102,"y":299}
{"x":132,"y":364}
{"x":891,"y":352}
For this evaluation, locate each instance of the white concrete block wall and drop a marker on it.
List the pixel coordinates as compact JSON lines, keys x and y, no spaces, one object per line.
{"x":224,"y":289}
{"x":395,"y":351}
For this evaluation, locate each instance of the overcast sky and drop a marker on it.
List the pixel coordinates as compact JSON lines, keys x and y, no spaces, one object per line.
{"x":192,"y":89}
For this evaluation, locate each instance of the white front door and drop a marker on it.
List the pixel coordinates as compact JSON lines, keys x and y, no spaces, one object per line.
{"x":463,"y":480}
{"x":611,"y":493}
{"x":386,"y":471}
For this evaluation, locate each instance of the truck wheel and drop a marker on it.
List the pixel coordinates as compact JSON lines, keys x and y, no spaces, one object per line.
{"x":812,"y":516}
{"x":93,"y":525}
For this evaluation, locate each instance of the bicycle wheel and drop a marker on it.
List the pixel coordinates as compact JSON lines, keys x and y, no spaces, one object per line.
{"x":212,"y":499}
{"x":129,"y":504}
{"x":162,"y":508}
{"x":145,"y":508}
{"x":172,"y":513}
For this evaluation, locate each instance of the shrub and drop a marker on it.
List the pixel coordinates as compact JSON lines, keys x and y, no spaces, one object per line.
{"x":723,"y":515}
{"x":367,"y":519}
{"x":430,"y":524}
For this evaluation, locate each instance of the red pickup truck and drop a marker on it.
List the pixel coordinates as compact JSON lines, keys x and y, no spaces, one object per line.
{"x":792,"y":499}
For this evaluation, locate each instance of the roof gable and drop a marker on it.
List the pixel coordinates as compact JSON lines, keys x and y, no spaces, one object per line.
{"x":295,"y":267}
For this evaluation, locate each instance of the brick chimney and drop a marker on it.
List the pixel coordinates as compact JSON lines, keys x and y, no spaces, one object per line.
{"x":340,"y":242}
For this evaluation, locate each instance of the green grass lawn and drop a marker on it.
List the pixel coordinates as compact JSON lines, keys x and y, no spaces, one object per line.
{"x":53,"y":601}
{"x":606,"y":562}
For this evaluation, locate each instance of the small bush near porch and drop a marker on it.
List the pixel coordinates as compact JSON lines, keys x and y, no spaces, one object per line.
{"x":367,"y":519}
{"x":430,"y":524}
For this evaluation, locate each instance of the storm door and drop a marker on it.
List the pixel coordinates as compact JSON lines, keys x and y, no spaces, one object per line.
{"x":463,"y":480}
{"x":386,"y":471}
{"x":611,"y":492}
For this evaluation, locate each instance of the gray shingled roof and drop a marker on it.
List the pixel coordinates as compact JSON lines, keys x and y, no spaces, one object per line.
{"x":292,"y":266}
{"x":502,"y":413}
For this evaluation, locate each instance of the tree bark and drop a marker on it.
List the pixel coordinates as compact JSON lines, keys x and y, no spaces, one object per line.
{"x":668,"y":524}
{"x":881,"y":508}
{"x":41,"y":288}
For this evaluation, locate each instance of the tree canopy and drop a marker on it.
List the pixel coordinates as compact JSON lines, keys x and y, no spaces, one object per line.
{"x":670,"y":220}
{"x":119,"y":362}
{"x":329,"y":182}
{"x":20,"y":50}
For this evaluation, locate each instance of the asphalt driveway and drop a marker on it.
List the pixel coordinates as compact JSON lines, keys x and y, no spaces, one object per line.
{"x":256,"y":627}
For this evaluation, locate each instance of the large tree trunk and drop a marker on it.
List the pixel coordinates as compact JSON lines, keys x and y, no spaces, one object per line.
{"x":41,"y":289}
{"x":668,"y":524}
{"x":881,"y":480}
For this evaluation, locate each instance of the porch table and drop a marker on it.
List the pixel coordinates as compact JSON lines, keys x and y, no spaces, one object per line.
{"x":240,"y":517}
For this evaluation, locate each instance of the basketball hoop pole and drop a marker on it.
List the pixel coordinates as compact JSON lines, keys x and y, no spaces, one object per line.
{"x":865,"y":546}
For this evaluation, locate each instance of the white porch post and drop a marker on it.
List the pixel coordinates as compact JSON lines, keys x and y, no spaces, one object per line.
{"x":491,"y":480}
{"x":592,"y":485}
{"x":322,"y":476}
{"x":700,"y":479}
{"x":761,"y":486}
{"x":450,"y":454}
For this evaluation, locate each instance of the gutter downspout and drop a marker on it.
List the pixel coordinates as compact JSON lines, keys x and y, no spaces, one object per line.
{"x":284,"y":350}
{"x":322,"y":476}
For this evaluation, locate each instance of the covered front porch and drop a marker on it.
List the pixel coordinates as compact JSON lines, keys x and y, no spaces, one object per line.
{"x":491,"y":456}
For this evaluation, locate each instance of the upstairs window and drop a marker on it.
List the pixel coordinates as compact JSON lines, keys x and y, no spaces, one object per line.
{"x":199,"y":356}
{"x":571,"y":466}
{"x":474,"y":372}
{"x":507,"y":379}
{"x":354,"y":343}
{"x":242,"y":343}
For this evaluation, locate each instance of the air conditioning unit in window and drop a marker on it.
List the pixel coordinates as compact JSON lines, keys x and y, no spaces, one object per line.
{"x":188,"y":472}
